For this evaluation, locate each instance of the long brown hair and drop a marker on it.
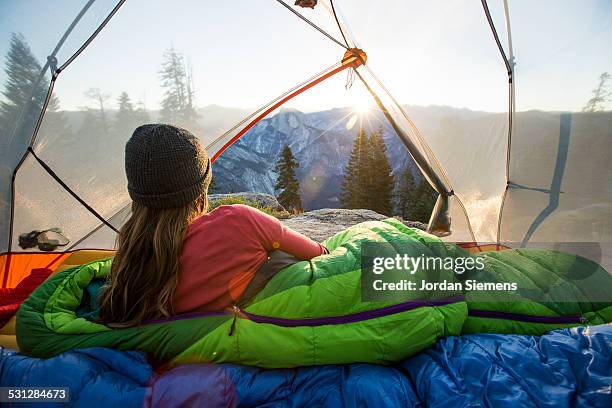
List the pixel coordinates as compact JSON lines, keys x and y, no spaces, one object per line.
{"x":144,"y":272}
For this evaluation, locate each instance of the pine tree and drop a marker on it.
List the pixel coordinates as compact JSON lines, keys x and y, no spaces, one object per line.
{"x":381,"y":180}
{"x":173,"y":81}
{"x":407,"y":195}
{"x":177,"y":107}
{"x":128,"y":118}
{"x":141,"y":115}
{"x":287,"y":182}
{"x":125,"y":111}
{"x":22,"y":72}
{"x":601,"y":95}
{"x":213,"y":187}
{"x":354,"y":193}
{"x":368,"y":181}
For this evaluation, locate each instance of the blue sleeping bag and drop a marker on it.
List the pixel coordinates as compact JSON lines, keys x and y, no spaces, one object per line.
{"x":568,"y":367}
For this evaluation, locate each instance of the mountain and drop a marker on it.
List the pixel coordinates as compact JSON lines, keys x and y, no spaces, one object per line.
{"x":321,"y":141}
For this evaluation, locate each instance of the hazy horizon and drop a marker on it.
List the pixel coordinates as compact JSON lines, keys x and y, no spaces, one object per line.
{"x":247,"y":110}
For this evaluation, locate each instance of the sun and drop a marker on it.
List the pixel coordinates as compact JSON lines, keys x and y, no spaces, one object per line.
{"x":362,"y":103}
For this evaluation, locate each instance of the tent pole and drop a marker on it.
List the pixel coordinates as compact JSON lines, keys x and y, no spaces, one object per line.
{"x":509,"y":63}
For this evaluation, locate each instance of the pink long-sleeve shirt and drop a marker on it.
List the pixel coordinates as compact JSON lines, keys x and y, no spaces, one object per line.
{"x":222,"y":251}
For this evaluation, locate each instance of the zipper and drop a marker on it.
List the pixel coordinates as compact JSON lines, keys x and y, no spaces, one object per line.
{"x":350,"y":318}
{"x":370,"y":314}
{"x":527,"y":318}
{"x":236,"y":311}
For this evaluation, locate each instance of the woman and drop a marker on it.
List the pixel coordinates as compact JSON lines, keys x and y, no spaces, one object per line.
{"x":172,"y":256}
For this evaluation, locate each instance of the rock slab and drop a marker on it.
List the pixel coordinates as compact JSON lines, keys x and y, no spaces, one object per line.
{"x":322,"y":224}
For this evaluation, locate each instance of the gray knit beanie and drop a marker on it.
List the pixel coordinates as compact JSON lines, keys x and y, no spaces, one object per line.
{"x":166,"y":166}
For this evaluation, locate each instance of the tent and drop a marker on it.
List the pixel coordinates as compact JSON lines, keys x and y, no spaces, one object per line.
{"x":532,"y":171}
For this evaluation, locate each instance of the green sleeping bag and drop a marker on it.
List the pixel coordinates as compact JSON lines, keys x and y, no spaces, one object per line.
{"x":555,"y":289}
{"x":310,"y":313}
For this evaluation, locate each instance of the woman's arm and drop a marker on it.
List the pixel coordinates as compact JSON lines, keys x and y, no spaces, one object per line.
{"x":274,"y":235}
{"x":299,"y":245}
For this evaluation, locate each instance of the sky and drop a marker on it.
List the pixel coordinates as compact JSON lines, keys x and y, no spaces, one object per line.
{"x":244,"y":53}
